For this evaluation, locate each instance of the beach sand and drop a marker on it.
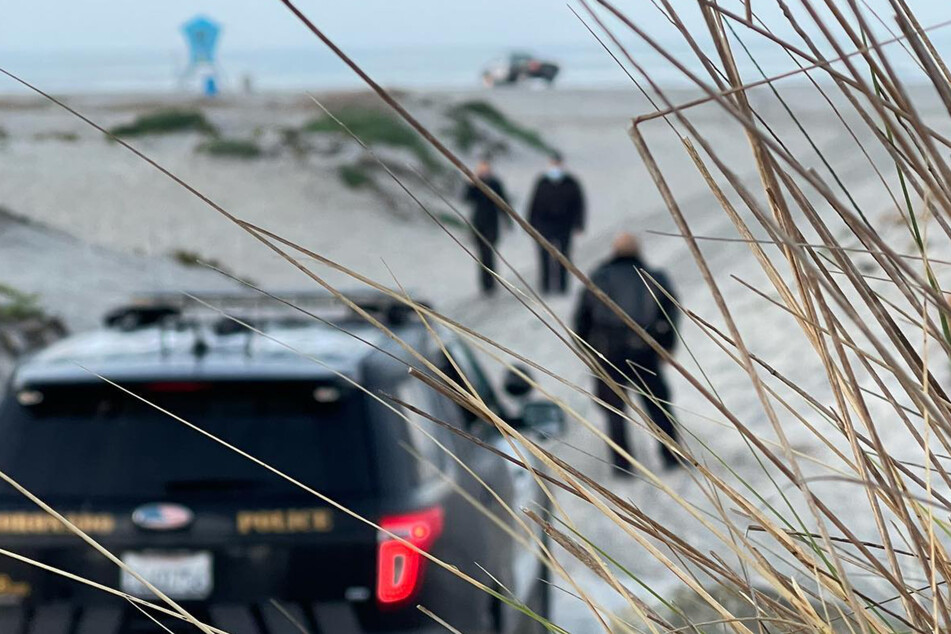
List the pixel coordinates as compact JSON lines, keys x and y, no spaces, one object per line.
{"x":103,"y":195}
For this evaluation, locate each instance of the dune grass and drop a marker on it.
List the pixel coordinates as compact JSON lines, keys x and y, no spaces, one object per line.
{"x":15,"y":305}
{"x":463,"y":132}
{"x":377,"y":127}
{"x":231,"y":148}
{"x":467,"y":135}
{"x":168,"y":121}
{"x":65,"y":137}
{"x":355,"y":175}
{"x":784,"y":551}
{"x":187,"y":257}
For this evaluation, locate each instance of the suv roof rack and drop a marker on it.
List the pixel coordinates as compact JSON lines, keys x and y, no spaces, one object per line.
{"x":256,"y":307}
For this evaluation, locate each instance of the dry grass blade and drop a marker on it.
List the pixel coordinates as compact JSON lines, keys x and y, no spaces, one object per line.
{"x":290,"y":617}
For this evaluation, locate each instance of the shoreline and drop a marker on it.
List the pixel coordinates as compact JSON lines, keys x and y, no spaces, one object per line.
{"x":13,"y":100}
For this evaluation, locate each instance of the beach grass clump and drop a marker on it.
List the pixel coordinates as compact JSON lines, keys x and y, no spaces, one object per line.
{"x":231,"y":148}
{"x":376,"y":127}
{"x":15,"y":305}
{"x":465,"y":131}
{"x":355,"y":175}
{"x":193,"y":259}
{"x":65,"y":137}
{"x":291,"y":138}
{"x":186,"y":257}
{"x":684,"y":608}
{"x":168,"y":121}
{"x":450,"y":220}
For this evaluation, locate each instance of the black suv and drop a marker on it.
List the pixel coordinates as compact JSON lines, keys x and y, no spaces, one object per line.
{"x":314,"y":395}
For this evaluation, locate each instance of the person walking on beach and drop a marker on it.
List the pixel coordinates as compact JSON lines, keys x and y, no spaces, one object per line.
{"x":645,"y":295}
{"x":487,"y":220}
{"x":557,"y":212}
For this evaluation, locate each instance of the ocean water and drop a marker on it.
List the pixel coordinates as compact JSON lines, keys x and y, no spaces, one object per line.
{"x":315,"y":68}
{"x":290,"y":69}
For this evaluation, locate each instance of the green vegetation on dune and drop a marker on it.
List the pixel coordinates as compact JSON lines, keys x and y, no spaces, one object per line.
{"x":377,"y":127}
{"x":451,"y":220}
{"x":192,"y":258}
{"x":231,"y":148}
{"x":355,"y":175}
{"x":195,"y":259}
{"x":15,"y":305}
{"x":463,"y":133}
{"x":166,"y":122}
{"x":466,"y":133}
{"x":291,"y":138}
{"x":66,"y":137}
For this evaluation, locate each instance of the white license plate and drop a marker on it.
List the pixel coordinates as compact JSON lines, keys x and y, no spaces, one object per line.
{"x":186,"y":576}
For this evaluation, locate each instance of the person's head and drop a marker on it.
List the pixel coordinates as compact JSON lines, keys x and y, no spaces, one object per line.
{"x":483,"y":167}
{"x":556,"y":169}
{"x":626,"y":244}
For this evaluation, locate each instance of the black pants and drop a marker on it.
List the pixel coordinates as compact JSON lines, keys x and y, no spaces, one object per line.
{"x":487,"y":281}
{"x":646,"y":376}
{"x":553,"y":277}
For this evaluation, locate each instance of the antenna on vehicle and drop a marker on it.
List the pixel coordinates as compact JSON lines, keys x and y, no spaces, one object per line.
{"x":200,"y":348}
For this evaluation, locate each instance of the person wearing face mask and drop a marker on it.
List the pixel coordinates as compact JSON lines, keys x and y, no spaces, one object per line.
{"x":557,"y":211}
{"x":486,"y":221}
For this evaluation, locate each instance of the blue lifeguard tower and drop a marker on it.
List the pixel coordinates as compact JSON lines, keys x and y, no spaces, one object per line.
{"x":201,"y":34}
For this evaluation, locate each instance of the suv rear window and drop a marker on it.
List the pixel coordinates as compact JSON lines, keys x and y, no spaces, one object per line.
{"x":94,"y":442}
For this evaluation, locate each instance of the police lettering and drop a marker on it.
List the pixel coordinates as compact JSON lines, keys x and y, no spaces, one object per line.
{"x":283,"y":521}
{"x":45,"y":524}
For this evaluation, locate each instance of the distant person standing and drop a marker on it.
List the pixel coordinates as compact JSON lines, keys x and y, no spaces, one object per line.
{"x":631,"y":362}
{"x":487,"y":219}
{"x":557,"y":212}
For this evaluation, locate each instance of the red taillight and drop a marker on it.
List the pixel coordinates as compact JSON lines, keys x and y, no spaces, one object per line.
{"x":399,"y":566}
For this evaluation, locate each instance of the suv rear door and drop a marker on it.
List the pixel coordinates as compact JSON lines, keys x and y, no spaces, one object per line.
{"x":121,"y":469}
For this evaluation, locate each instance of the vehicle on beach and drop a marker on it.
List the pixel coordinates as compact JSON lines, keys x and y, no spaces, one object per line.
{"x":517,"y":68}
{"x":320,"y":396}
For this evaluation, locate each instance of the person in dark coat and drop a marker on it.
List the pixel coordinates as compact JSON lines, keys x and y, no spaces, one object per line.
{"x":487,"y":219}
{"x":631,"y":362}
{"x":557,"y":211}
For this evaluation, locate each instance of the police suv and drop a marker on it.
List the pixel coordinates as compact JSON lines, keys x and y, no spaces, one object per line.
{"x":119,"y":430}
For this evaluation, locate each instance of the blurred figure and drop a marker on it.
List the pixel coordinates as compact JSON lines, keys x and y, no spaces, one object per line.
{"x":636,"y":289}
{"x":487,"y":220}
{"x":247,"y":83}
{"x":557,"y":212}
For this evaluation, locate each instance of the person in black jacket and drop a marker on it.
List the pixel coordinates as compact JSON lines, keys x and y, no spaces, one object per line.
{"x":486,"y":220}
{"x":631,"y":362}
{"x":557,"y":212}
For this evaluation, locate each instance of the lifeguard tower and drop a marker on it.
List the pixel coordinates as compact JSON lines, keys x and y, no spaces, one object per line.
{"x":201,"y":34}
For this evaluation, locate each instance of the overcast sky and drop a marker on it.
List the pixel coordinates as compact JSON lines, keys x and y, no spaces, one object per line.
{"x":58,"y":25}
{"x":265,"y":24}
